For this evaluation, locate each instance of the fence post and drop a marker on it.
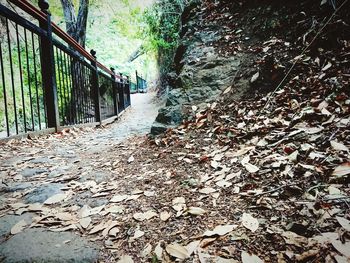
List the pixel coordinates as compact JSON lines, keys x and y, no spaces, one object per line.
{"x":122,"y":90}
{"x":48,"y":69}
{"x":95,"y":88}
{"x":128,"y":91}
{"x":115,"y":87}
{"x":137,"y":83}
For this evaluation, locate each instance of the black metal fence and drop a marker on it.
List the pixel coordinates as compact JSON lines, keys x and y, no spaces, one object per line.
{"x":141,"y":84}
{"x":47,"y":82}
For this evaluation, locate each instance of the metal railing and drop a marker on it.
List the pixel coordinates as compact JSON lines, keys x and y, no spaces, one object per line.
{"x":141,"y":84}
{"x":47,"y":80}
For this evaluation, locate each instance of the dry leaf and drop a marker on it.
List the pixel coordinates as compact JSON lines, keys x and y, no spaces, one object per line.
{"x":97,"y":228}
{"x":343,"y":248}
{"x":250,"y":167}
{"x":329,"y":64}
{"x":341,"y":170}
{"x":344,"y":223}
{"x":118,"y":198}
{"x":64,"y":229}
{"x":177,"y":251}
{"x":158,"y":251}
{"x":64,"y":216}
{"x":149,"y":193}
{"x":17,"y":228}
{"x":144,"y":216}
{"x":113,"y":231}
{"x":55,"y":199}
{"x":110,"y":225}
{"x":125,"y":259}
{"x":250,"y":222}
{"x":115,"y":209}
{"x":196,"y":211}
{"x":339,"y":146}
{"x":146,"y":251}
{"x":223,"y":184}
{"x":138,"y":233}
{"x":248,"y":258}
{"x":192,"y":247}
{"x":207,"y":190}
{"x":164,"y":216}
{"x":220,"y":230}
{"x":255,"y":77}
{"x":85,"y":222}
{"x":179,"y":204}
{"x":227,"y":90}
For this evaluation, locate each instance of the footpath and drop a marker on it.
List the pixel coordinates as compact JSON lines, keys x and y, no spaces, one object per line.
{"x":47,"y":181}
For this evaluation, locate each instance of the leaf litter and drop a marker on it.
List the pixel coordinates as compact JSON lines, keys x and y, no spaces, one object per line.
{"x":249,"y":181}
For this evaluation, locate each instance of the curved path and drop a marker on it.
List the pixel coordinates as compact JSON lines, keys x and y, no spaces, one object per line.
{"x":32,"y":171}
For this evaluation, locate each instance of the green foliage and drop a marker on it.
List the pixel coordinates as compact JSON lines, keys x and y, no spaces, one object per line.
{"x":161,"y":32}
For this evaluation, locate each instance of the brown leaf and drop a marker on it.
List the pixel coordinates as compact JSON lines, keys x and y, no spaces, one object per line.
{"x":85,"y":222}
{"x":17,"y":228}
{"x":55,"y":199}
{"x":344,"y":223}
{"x":249,"y":258}
{"x":164,"y":216}
{"x":220,"y":230}
{"x":196,"y":211}
{"x":177,"y":251}
{"x":125,"y":259}
{"x":97,"y":228}
{"x":250,"y":222}
{"x":342,"y":170}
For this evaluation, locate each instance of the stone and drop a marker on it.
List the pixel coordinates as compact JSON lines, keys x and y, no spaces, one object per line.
{"x":200,"y":71}
{"x":43,"y":192}
{"x":158,"y":128}
{"x":62,"y":170}
{"x":40,"y":160}
{"x":14,"y":187}
{"x":38,"y":245}
{"x":8,"y":221}
{"x":29,"y":172}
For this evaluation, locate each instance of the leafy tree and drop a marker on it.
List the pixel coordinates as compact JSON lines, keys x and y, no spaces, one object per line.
{"x":163,"y":22}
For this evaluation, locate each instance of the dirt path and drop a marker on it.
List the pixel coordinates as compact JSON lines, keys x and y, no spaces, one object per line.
{"x":57,"y":166}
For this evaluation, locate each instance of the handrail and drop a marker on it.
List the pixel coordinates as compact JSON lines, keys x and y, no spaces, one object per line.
{"x":38,"y":14}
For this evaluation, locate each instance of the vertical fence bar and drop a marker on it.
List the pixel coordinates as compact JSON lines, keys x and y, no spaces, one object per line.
{"x":95,"y":87}
{"x":128,"y":91}
{"x":21,"y":79}
{"x":114,"y":88}
{"x":122,"y":86}
{"x":137,"y":82}
{"x":29,"y":80}
{"x":4,"y":91}
{"x":36,"y":82}
{"x":12,"y":75}
{"x":48,"y":69}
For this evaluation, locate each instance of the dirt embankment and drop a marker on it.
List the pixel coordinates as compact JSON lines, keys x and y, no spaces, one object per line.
{"x":250,"y":45}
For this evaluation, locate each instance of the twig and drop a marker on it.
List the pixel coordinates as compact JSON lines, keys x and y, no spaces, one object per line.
{"x":302,"y":53}
{"x":274,"y":190}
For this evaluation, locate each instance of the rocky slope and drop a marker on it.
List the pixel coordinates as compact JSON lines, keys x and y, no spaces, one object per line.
{"x":221,"y":46}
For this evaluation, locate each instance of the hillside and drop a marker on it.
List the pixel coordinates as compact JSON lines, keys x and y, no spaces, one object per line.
{"x":230,"y":44}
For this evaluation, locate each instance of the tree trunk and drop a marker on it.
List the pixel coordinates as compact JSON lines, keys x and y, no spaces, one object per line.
{"x":76,"y":28}
{"x":76,"y":24}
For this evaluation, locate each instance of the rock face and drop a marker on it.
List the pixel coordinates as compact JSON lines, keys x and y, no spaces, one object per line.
{"x":201,"y":72}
